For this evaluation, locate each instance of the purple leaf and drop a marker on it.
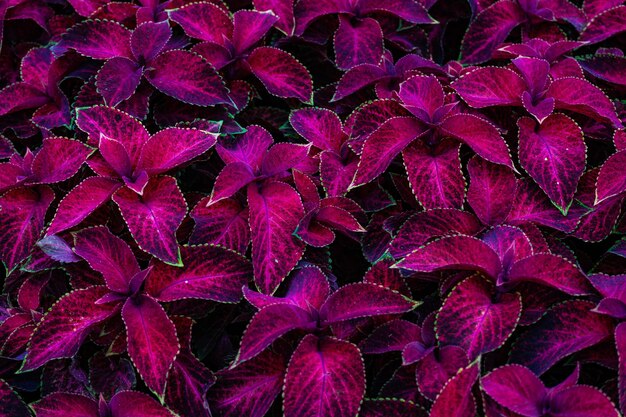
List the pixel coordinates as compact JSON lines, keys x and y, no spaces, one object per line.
{"x":611,"y":179}
{"x":321,"y":127}
{"x":582,"y":401}
{"x":61,"y":404}
{"x":488,"y":182}
{"x":435,"y":369}
{"x":453,"y":252}
{"x":551,"y":270}
{"x":476,"y":321}
{"x":250,"y":388}
{"x":325,"y":366}
{"x":391,"y":336}
{"x":222,"y":223}
{"x":59,"y":159}
{"x":83,"y":200}
{"x":57,"y":249}
{"x":283,"y":9}
{"x":187,"y":77}
{"x":409,"y":10}
{"x":357,"y":41}
{"x":118,"y":79}
{"x":269,"y":324}
{"x":456,"y":399}
{"x":152,"y":342}
{"x":187,"y":386}
{"x":63,"y":329}
{"x":489,"y":29}
{"x":363,"y":300}
{"x":23,"y":215}
{"x":565,"y":329}
{"x":149,"y":39}
{"x":205,"y":21}
{"x":98,"y":39}
{"x":390,"y":407}
{"x":607,"y":67}
{"x":275,"y":211}
{"x":20,"y":96}
{"x":608,"y":23}
{"x":491,"y":86}
{"x":12,"y":405}
{"x":231,"y":179}
{"x":516,"y":388}
{"x":250,"y":26}
{"x":435,"y":174}
{"x":172,"y":147}
{"x":620,"y":346}
{"x":554,"y":155}
{"x":210,"y":273}
{"x":154,"y":217}
{"x":131,"y":403}
{"x":107,"y":254}
{"x":281,"y":73}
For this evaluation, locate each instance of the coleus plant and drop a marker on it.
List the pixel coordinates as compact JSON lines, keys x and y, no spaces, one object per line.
{"x":312,"y":208}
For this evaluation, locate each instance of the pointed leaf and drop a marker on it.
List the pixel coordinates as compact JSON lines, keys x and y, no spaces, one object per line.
{"x":326,"y":366}
{"x":488,"y":183}
{"x":131,"y":403}
{"x":275,"y":211}
{"x":435,"y":370}
{"x":516,"y":388}
{"x":154,"y":217}
{"x":205,"y":21}
{"x":187,"y":386}
{"x":357,"y":41}
{"x":281,"y":73}
{"x":63,"y":329}
{"x":222,"y":223}
{"x":583,"y":401}
{"x":250,"y":26}
{"x":283,"y":9}
{"x":23,"y":212}
{"x":582,"y":97}
{"x":453,"y":252}
{"x":456,"y":399}
{"x":98,"y":39}
{"x":118,"y":79}
{"x":83,"y":200}
{"x":152,"y":342}
{"x":149,"y":39}
{"x":391,"y":336}
{"x":61,"y":404}
{"x":611,"y":178}
{"x":565,"y":329}
{"x":476,"y":321}
{"x":551,"y":270}
{"x":59,"y":159}
{"x":321,"y":127}
{"x":491,"y":86}
{"x":606,"y":24}
{"x":187,"y":77}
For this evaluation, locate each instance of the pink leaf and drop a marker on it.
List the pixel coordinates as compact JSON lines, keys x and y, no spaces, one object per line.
{"x":61,"y":404}
{"x":118,"y":79}
{"x":488,"y":183}
{"x":516,"y":388}
{"x":491,"y":86}
{"x":281,"y":73}
{"x":149,"y":39}
{"x":611,"y":178}
{"x":98,"y":39}
{"x":357,"y":41}
{"x":321,"y":127}
{"x":553,"y":271}
{"x":59,"y":159}
{"x":456,"y":399}
{"x":131,"y":403}
{"x":249,"y":27}
{"x":222,"y":223}
{"x":325,"y":366}
{"x":205,"y":21}
{"x":608,"y":23}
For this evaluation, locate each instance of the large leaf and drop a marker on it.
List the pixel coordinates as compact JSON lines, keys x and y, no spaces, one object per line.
{"x":63,"y":329}
{"x":516,"y":388}
{"x":281,"y":73}
{"x":611,"y":178}
{"x":491,"y":86}
{"x":275,"y":211}
{"x":12,"y":405}
{"x":205,"y":21}
{"x":99,"y":39}
{"x":118,"y":79}
{"x":565,"y":329}
{"x":363,"y":300}
{"x":210,"y":273}
{"x":488,"y":183}
{"x":151,"y":339}
{"x":107,"y":254}
{"x":554,"y":155}
{"x":357,"y":41}
{"x":472,"y":318}
{"x":456,"y":399}
{"x":23,"y":212}
{"x":384,"y":407}
{"x":154,"y":217}
{"x":59,"y":159}
{"x":81,"y":201}
{"x":333,"y":373}
{"x":222,"y":223}
{"x":551,"y":270}
{"x":187,"y":77}
{"x":149,"y":39}
{"x":321,"y":127}
{"x":250,"y":27}
{"x":453,"y":252}
{"x":131,"y":403}
{"x":606,"y":24}
{"x":583,"y":401}
{"x":61,"y":404}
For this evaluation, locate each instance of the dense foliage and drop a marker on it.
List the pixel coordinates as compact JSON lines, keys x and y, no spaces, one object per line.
{"x":322,"y":208}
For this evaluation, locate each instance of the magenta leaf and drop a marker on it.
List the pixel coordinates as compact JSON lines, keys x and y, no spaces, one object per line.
{"x":205,"y":21}
{"x":12,"y":404}
{"x":149,"y":39}
{"x":152,"y":342}
{"x":98,"y":39}
{"x":435,"y":174}
{"x":281,"y":73}
{"x":23,"y":214}
{"x":154,"y":217}
{"x":472,"y":318}
{"x":325,"y":366}
{"x":275,"y":211}
{"x":608,"y":23}
{"x":554,"y":155}
{"x":392,"y":336}
{"x":363,"y":300}
{"x":107,"y":254}
{"x":61,"y":404}
{"x":380,"y":407}
{"x":210,"y":273}
{"x":516,"y":388}
{"x":620,"y":345}
{"x":83,"y":200}
{"x":59,"y":159}
{"x":250,"y":388}
{"x":435,"y":370}
{"x":611,"y":179}
{"x":490,"y":28}
{"x":487,"y":183}
{"x":583,"y":400}
{"x":269,"y":324}
{"x":172,"y":147}
{"x":321,"y":127}
{"x":456,"y":399}
{"x":453,"y":252}
{"x":283,"y":9}
{"x":409,"y":10}
{"x":222,"y":223}
{"x":187,"y":385}
{"x":131,"y":403}
{"x":187,"y":77}
{"x":551,"y":270}
{"x":357,"y":41}
{"x":118,"y":79}
{"x":63,"y":329}
{"x":563,"y":330}
{"x":491,"y":86}
{"x":250,"y":26}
